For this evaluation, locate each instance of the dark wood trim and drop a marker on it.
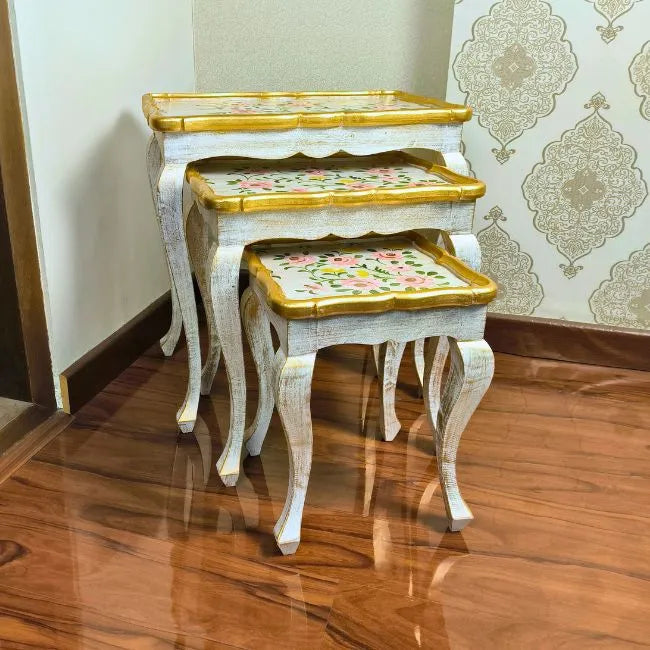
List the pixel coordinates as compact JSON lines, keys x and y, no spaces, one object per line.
{"x":32,"y":441}
{"x":81,"y":381}
{"x":20,"y":223}
{"x":14,"y":374}
{"x":547,"y":338}
{"x":22,"y":424}
{"x":520,"y":335}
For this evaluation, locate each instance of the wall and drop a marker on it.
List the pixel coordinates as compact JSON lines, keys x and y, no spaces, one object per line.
{"x":560,"y":92}
{"x":84,"y":65}
{"x":340,"y":44}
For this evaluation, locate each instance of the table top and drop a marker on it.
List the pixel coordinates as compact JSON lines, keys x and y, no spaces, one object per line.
{"x":245,"y":185}
{"x":369,"y":275}
{"x":193,"y":112}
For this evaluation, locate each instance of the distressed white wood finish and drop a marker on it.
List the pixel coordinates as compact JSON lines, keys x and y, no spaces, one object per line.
{"x":465,"y":246}
{"x":231,"y":231}
{"x":174,"y":150}
{"x":258,"y":333}
{"x":470,"y":374}
{"x":388,"y":357}
{"x":300,"y":340}
{"x":199,"y":246}
{"x":292,"y":394}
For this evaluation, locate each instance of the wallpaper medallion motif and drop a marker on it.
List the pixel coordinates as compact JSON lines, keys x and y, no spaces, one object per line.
{"x":513,"y":67}
{"x":640,"y":76}
{"x":502,"y":259}
{"x":585,"y":187}
{"x":624,"y":299}
{"x":611,"y":10}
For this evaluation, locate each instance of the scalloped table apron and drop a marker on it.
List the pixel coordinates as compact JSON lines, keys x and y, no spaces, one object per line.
{"x":191,"y":127}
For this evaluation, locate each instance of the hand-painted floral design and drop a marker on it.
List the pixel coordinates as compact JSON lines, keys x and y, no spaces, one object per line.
{"x":266,"y":105}
{"x":299,"y":175}
{"x":357,"y":267}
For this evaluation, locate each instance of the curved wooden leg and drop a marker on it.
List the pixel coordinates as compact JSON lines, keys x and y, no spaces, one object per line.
{"x":455,"y":161}
{"x":466,"y":248}
{"x":169,"y":192}
{"x":154,"y":165}
{"x":197,"y":239}
{"x":169,"y":341}
{"x":418,"y":358}
{"x":224,"y":283}
{"x":258,"y":333}
{"x":389,"y":357}
{"x":436,"y":352}
{"x":470,"y":373}
{"x":292,"y":394}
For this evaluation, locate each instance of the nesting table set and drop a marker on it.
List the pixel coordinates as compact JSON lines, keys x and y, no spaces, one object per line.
{"x":348,"y":239}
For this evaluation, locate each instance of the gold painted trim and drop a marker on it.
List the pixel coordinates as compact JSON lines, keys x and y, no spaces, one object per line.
{"x":460,"y":188}
{"x":433,"y":111}
{"x":480,"y":290}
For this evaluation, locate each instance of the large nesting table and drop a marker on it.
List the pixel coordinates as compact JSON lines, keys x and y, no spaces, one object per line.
{"x":191,"y":127}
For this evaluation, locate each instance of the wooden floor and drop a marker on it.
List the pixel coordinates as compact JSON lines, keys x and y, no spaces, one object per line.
{"x":10,"y":409}
{"x":118,"y":534}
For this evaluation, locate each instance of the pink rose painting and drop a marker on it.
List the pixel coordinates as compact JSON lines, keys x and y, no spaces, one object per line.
{"x":415,"y":281}
{"x":300,"y":260}
{"x":398,"y":268}
{"x":256,"y":184}
{"x":361,"y":186}
{"x":342,"y":261}
{"x":314,"y":287}
{"x":360,"y":283}
{"x":387,"y":255}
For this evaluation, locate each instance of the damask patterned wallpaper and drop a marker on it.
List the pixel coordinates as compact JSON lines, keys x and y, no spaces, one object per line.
{"x":561,"y":135}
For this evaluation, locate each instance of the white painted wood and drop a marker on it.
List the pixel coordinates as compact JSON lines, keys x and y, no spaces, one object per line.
{"x":462,"y":245}
{"x":465,"y":246}
{"x":470,"y":373}
{"x":388,"y":359}
{"x":469,"y":377}
{"x":197,"y":235}
{"x":432,"y":388}
{"x":176,"y":150}
{"x":316,"y":143}
{"x":231,"y":231}
{"x":258,"y":333}
{"x":154,"y":166}
{"x":292,"y":394}
{"x":456,"y":162}
{"x":418,"y":355}
{"x":224,"y":287}
{"x":168,"y":196}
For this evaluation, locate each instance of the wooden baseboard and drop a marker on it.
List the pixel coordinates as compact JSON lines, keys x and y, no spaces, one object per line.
{"x":521,"y":335}
{"x":46,"y":426}
{"x":87,"y":376}
{"x":548,"y":338}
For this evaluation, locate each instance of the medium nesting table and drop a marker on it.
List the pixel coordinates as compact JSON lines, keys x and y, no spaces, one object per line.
{"x":191,"y":127}
{"x":242,"y":201}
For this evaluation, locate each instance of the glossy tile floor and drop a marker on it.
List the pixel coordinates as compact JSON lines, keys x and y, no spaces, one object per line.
{"x":118,"y":534}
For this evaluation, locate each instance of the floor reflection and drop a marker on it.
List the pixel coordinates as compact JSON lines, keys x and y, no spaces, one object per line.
{"x":120,"y":534}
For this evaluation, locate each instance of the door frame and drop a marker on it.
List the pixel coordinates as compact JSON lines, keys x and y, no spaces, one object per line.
{"x":20,"y":228}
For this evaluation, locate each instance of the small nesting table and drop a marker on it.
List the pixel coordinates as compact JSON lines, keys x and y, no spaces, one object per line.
{"x":242,"y":201}
{"x":191,"y":127}
{"x":382,"y":289}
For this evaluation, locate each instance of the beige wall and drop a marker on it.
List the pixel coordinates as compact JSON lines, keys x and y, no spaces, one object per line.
{"x":339,"y":44}
{"x":83,"y":67}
